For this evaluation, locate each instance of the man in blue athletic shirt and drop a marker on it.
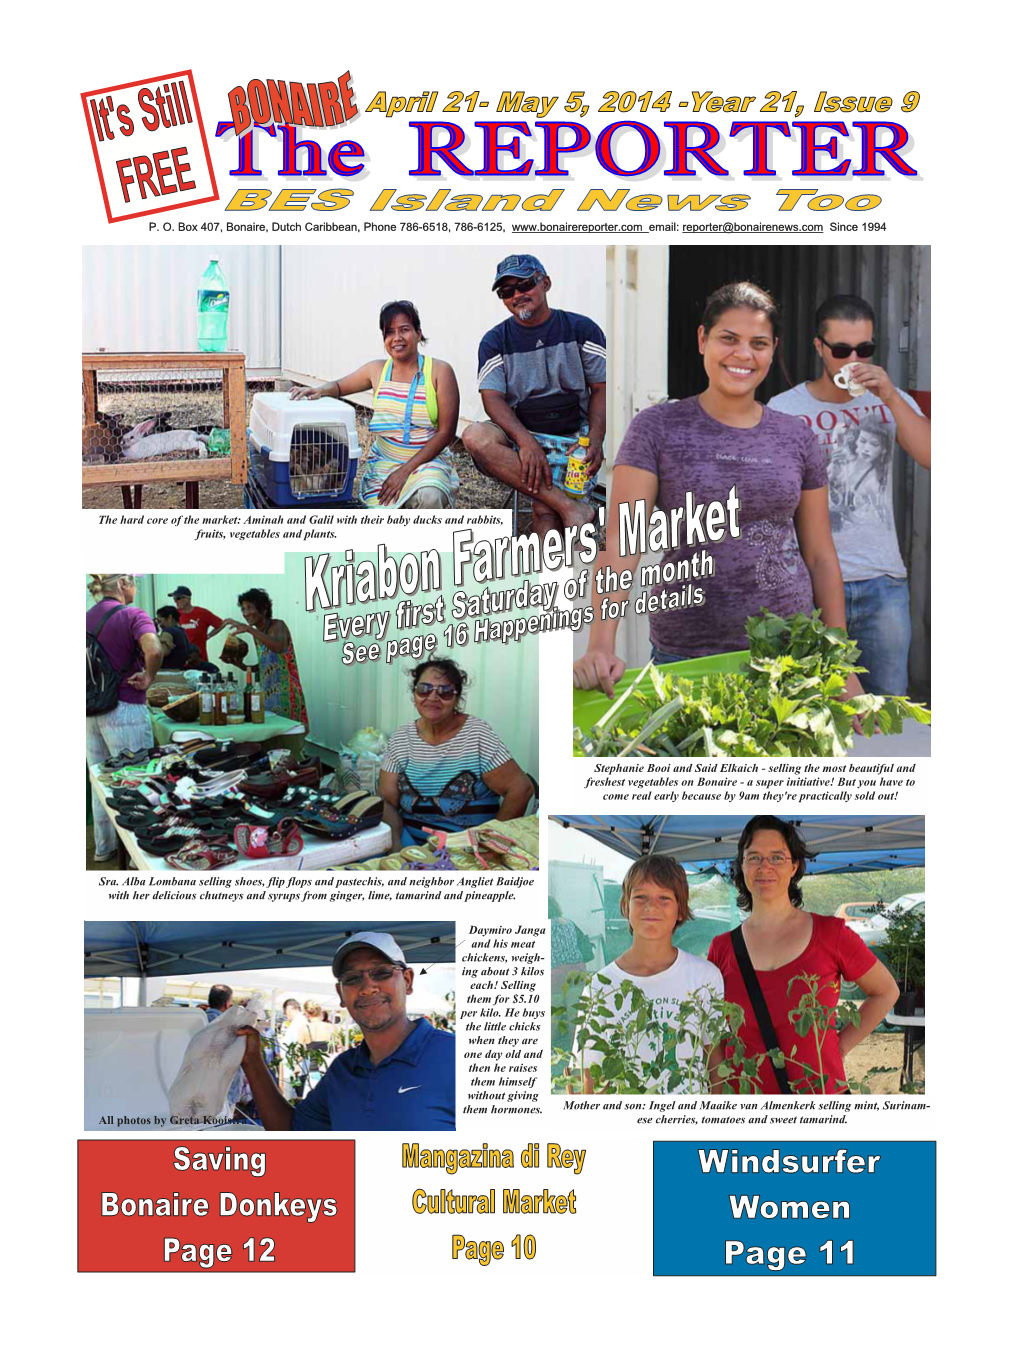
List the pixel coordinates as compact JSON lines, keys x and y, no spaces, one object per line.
{"x":542,"y":376}
{"x":401,"y":1077}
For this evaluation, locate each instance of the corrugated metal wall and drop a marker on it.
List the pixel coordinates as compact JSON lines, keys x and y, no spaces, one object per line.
{"x":143,"y":297}
{"x":341,"y":699}
{"x":799,"y":277}
{"x":313,"y":309}
{"x":332,"y":298}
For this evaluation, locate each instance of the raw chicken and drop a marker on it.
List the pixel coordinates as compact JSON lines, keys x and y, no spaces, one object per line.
{"x":199,"y":1091}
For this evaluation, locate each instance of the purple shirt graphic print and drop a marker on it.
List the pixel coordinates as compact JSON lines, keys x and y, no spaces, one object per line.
{"x":770,"y":466}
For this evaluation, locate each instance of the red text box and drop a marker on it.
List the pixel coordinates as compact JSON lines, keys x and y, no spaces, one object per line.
{"x":149,"y":145}
{"x":133,"y":1209}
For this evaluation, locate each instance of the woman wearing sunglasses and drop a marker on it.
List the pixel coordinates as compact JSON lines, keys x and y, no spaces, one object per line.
{"x":447,"y":770}
{"x":415,"y":405}
{"x":765,"y":961}
{"x":778,"y":554}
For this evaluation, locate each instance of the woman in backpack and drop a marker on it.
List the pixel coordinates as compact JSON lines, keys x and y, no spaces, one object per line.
{"x":414,"y":417}
{"x":129,"y":640}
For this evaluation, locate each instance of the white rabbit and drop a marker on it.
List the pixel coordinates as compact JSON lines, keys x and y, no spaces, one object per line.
{"x":140,"y":442}
{"x":199,"y":1091}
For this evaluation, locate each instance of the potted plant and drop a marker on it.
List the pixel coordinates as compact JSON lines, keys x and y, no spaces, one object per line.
{"x":904,"y":951}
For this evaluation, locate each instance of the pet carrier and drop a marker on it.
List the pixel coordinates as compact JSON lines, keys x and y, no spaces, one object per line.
{"x":301,"y":453}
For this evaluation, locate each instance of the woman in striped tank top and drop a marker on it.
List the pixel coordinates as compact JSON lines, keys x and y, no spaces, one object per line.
{"x":414,"y":417}
{"x":448,"y":770}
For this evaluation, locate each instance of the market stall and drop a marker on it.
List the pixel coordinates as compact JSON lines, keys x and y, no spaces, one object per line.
{"x":317,"y":852}
{"x":166,"y":730}
{"x":134,"y":1053}
{"x":850,"y":844}
{"x":144,"y":949}
{"x":209,"y":803}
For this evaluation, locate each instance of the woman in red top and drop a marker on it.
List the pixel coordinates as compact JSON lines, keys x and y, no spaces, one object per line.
{"x":784,"y":943}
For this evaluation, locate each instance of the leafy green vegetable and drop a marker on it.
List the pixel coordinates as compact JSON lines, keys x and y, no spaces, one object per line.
{"x":788,"y":701}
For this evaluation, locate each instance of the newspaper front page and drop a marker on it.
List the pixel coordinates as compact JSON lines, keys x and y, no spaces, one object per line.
{"x":517,"y":726}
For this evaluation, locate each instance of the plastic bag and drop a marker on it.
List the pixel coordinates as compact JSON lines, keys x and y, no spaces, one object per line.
{"x":368,"y":741}
{"x":199,"y":1091}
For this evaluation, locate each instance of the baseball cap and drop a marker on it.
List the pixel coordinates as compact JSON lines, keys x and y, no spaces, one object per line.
{"x":369,"y":939}
{"x":517,"y":267}
{"x":180,"y":590}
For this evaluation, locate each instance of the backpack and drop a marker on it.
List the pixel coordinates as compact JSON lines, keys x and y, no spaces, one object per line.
{"x":102,"y":679}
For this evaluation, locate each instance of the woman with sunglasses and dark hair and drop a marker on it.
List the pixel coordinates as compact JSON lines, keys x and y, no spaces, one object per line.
{"x":778,"y":945}
{"x":447,"y":770}
{"x":857,"y":430}
{"x":774,"y":550}
{"x":415,"y":405}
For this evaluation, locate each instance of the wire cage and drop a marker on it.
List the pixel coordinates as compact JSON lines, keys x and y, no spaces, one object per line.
{"x":320,"y":458}
{"x":301,"y":453}
{"x":163,"y":417}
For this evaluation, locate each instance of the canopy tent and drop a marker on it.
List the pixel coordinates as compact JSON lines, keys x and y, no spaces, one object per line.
{"x":837,"y":845}
{"x":173,"y":948}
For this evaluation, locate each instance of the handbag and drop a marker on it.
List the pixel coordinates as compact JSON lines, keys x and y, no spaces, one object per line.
{"x":759,"y":1006}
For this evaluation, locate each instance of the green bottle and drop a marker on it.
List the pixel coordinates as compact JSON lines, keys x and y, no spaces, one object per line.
{"x":213,"y":307}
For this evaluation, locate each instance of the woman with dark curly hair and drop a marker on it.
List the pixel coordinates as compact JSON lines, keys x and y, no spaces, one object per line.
{"x":278,"y":669}
{"x":447,"y":770}
{"x":782,"y":945}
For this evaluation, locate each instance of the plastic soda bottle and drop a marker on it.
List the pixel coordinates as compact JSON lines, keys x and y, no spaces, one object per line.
{"x":213,"y":306}
{"x":575,"y":479}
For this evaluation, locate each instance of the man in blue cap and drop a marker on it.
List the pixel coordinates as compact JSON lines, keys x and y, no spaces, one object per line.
{"x":401,"y":1076}
{"x":542,"y":376}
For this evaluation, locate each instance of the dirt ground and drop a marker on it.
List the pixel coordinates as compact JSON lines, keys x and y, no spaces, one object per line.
{"x":190,"y":410}
{"x":883,"y":1050}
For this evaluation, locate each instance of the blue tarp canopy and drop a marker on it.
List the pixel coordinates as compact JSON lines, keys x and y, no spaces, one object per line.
{"x":172,"y":948}
{"x":838,"y":845}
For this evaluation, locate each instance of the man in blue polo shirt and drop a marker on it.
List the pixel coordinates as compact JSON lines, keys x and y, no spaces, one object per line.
{"x":542,"y":376}
{"x":400,"y":1078}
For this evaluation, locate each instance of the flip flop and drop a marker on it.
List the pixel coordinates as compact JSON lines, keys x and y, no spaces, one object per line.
{"x":125,"y":758}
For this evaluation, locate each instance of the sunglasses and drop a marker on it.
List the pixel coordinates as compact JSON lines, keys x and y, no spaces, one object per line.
{"x":377,"y":975}
{"x":444,"y":691}
{"x":518,"y":286}
{"x":864,"y":351}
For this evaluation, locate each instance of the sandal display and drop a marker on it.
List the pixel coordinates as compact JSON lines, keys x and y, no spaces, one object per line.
{"x":197,"y":804}
{"x":265,"y":842}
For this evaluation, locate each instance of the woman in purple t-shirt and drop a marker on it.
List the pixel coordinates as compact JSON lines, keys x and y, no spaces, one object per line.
{"x":768,"y":539}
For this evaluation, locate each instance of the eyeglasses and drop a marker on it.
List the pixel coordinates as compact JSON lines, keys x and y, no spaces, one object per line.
{"x":774,"y":861}
{"x":864,"y":351}
{"x":378,"y":975}
{"x":517,"y":286}
{"x":444,"y":691}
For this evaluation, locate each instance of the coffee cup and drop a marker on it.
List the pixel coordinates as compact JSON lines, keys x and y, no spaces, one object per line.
{"x":844,"y":380}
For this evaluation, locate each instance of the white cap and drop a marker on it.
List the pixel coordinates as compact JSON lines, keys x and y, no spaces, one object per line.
{"x":369,"y":939}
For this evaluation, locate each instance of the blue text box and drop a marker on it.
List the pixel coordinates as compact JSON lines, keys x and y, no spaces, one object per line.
{"x":890,"y":1215}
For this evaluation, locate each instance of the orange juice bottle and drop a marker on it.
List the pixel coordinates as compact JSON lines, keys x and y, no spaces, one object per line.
{"x":575,"y":479}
